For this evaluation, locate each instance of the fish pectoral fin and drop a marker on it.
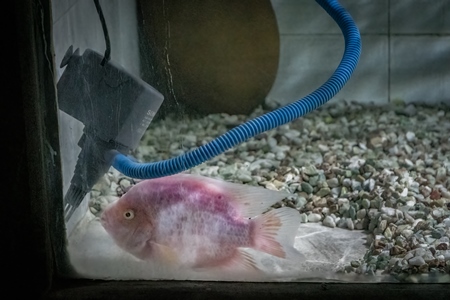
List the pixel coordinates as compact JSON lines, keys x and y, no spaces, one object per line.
{"x":164,"y":253}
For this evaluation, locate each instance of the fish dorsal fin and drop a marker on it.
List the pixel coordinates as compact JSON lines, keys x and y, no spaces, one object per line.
{"x":253,"y":201}
{"x":249,"y":200}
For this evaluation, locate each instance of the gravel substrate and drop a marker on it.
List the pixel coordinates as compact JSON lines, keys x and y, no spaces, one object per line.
{"x":380,"y":169}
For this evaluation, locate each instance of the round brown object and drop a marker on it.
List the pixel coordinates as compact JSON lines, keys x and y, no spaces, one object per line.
{"x":212,"y":56}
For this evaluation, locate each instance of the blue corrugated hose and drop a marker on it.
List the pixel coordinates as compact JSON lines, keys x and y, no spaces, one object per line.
{"x":265,"y":122}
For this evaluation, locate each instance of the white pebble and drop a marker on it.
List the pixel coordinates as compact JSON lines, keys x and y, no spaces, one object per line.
{"x":407,"y":233}
{"x":329,"y":222}
{"x":446,"y":254}
{"x":95,"y":194}
{"x":409,"y":163}
{"x":303,"y":218}
{"x":399,"y":214}
{"x":404,"y":193}
{"x":270,"y":156}
{"x":410,"y":136}
{"x":441,"y":174}
{"x":291,"y":134}
{"x":244,"y":177}
{"x":411,"y":202}
{"x":111,"y":198}
{"x":419,"y":252}
{"x":408,"y":255}
{"x":408,"y":149}
{"x":350,"y":224}
{"x":103,"y":206}
{"x":102,"y":200}
{"x":270,"y":186}
{"x":280,"y":155}
{"x":113,"y":186}
{"x":190,"y":140}
{"x":416,"y":261}
{"x":444,"y":239}
{"x":272,"y":142}
{"x":124,"y":183}
{"x":323,"y":148}
{"x":394,"y":150}
{"x":437,"y":213}
{"x":359,"y":225}
{"x":447,"y":222}
{"x":314,"y":218}
{"x":388,"y":211}
{"x":341,"y":223}
{"x":342,"y":201}
{"x":417,"y":221}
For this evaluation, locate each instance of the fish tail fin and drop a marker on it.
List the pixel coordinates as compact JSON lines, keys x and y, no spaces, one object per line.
{"x":274,"y":233}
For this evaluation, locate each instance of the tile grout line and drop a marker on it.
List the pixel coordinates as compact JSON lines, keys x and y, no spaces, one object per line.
{"x":389,"y":50}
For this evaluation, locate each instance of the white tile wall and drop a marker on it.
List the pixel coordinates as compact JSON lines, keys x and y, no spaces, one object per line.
{"x":420,"y":16}
{"x":76,"y":23}
{"x":308,"y":17}
{"x":420,"y":68}
{"x":300,"y":17}
{"x":406,"y":50}
{"x":300,"y":71}
{"x":306,"y":62}
{"x":369,"y":83}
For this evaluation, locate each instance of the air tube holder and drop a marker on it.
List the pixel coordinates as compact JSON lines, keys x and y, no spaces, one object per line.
{"x":115,"y":107}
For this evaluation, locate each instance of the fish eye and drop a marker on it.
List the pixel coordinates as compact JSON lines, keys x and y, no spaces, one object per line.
{"x":128,"y":214}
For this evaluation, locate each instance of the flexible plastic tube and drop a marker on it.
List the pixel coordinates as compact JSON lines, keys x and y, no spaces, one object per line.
{"x":265,"y":122}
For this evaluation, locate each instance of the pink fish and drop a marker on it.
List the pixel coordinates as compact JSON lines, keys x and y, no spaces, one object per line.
{"x":201,"y":222}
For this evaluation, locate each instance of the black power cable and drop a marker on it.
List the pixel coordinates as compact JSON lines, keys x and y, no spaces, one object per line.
{"x":107,"y":56}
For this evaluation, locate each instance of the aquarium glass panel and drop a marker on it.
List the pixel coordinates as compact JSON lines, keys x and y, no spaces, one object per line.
{"x":247,"y":178}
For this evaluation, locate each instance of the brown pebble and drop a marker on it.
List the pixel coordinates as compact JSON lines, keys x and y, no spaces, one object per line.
{"x":309,"y":206}
{"x":423,"y":268}
{"x":317,"y":210}
{"x":433,"y":263}
{"x":421,"y":225}
{"x":334,"y":208}
{"x":376,"y":251}
{"x":442,"y":246}
{"x":290,"y":204}
{"x":435,"y":194}
{"x":432,"y":250}
{"x":396,"y":250}
{"x":379,"y":244}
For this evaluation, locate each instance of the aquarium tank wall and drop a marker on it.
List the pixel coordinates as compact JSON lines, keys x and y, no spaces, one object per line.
{"x":356,"y":190}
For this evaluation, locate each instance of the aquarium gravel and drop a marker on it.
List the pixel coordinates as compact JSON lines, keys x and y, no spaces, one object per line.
{"x":380,"y":169}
